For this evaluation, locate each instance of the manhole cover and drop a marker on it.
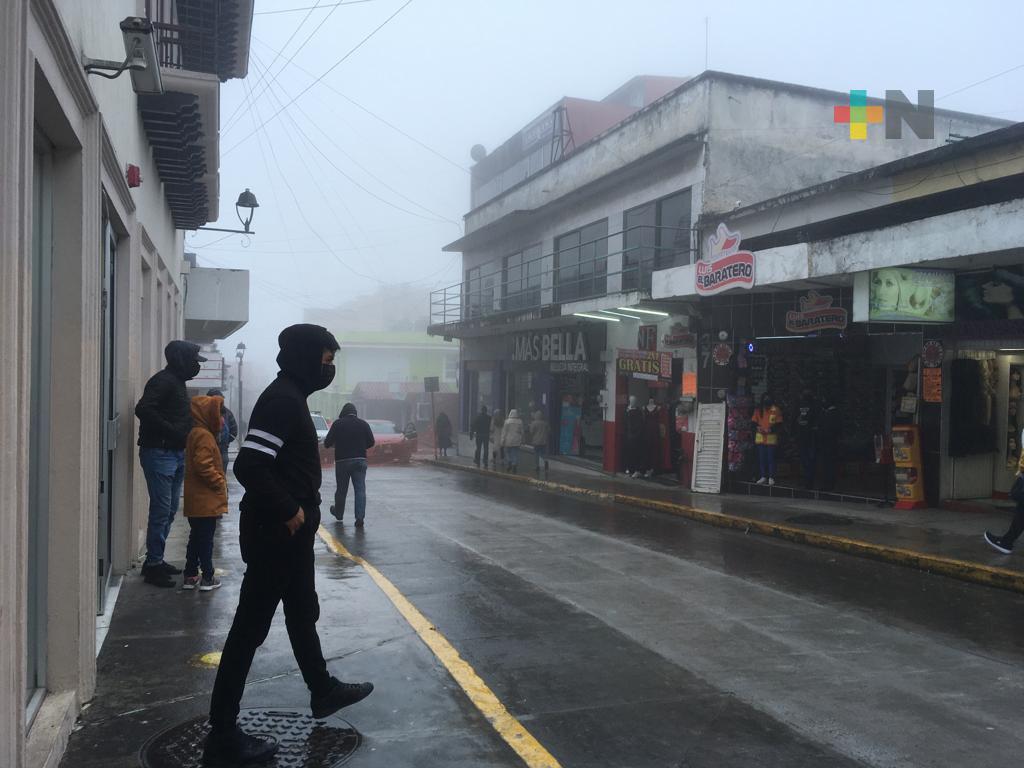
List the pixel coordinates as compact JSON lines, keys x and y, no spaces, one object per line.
{"x":819,"y":518}
{"x":304,"y":742}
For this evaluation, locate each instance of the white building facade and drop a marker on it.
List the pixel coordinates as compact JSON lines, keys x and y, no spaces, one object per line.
{"x":97,"y":186}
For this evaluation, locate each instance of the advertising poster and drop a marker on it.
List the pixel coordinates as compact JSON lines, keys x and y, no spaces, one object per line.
{"x":996,"y":294}
{"x":906,"y":295}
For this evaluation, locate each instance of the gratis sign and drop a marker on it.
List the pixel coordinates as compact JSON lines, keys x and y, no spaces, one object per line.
{"x":724,"y":266}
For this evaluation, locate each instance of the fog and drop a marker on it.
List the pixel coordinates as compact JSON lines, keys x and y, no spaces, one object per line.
{"x":362,"y":175}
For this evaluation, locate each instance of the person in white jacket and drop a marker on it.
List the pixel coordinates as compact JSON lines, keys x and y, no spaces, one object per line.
{"x":512,"y":439}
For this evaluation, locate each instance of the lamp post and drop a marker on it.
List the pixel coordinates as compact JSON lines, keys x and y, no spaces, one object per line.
{"x":239,"y":354}
{"x":247,"y":202}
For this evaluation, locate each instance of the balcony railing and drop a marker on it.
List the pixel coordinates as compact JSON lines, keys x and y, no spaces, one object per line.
{"x":544,"y":281}
{"x":192,"y":35}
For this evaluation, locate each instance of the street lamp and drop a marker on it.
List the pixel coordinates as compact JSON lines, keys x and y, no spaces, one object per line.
{"x":246,"y":201}
{"x":240,"y":353}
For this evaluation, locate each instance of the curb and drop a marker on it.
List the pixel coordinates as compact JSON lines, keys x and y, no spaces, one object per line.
{"x":990,"y":576}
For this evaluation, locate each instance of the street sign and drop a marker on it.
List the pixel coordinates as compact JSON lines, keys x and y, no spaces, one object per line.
{"x":432,"y":384}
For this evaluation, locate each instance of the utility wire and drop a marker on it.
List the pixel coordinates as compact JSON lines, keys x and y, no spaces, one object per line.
{"x":310,"y":8}
{"x":277,"y":55}
{"x":371,"y":113}
{"x":295,"y":53}
{"x":330,"y":69}
{"x":980,"y":82}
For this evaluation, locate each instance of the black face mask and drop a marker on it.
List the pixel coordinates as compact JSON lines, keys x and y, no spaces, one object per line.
{"x":193,"y":369}
{"x":326,"y":376}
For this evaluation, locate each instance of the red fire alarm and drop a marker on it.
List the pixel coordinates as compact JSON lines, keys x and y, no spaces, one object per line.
{"x":133,"y":175}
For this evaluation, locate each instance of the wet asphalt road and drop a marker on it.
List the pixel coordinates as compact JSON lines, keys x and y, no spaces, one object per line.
{"x":628,"y":638}
{"x":617,"y":637}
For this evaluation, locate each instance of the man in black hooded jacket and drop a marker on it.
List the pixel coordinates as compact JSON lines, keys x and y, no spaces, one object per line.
{"x":278,"y":464}
{"x":165,"y":419}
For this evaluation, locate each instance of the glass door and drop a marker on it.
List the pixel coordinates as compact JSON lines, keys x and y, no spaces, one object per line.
{"x":108,"y":419}
{"x":39,"y":432}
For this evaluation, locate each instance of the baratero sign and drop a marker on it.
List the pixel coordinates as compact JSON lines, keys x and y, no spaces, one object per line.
{"x":816,"y":314}
{"x":725,"y":265}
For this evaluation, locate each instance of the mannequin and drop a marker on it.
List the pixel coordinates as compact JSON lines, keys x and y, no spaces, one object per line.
{"x":634,"y":438}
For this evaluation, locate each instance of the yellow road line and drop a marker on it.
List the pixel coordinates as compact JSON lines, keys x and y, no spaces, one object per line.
{"x":976,"y":573}
{"x":510,"y":729}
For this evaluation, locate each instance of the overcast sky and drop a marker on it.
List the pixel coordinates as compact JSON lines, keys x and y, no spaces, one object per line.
{"x":348,"y":203}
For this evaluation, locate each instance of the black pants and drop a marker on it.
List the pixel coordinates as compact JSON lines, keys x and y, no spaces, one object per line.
{"x":278,"y":570}
{"x":1016,"y":527}
{"x":199,"y":552}
{"x":482,"y":445}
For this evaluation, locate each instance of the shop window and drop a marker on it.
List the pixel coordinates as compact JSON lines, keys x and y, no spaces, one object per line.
{"x":451,"y":368}
{"x":581,"y":263}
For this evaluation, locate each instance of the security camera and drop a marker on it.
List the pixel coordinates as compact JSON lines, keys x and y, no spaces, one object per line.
{"x":140,"y":58}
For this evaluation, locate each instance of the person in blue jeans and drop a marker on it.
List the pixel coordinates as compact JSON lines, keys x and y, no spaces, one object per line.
{"x":165,"y":419}
{"x":350,"y":437}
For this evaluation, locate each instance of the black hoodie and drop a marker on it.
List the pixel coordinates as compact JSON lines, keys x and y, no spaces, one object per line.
{"x":278,"y":463}
{"x":164,"y":410}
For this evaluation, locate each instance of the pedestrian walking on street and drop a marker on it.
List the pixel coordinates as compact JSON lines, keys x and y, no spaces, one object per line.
{"x":165,"y":420}
{"x":350,"y":437}
{"x":480,"y":431}
{"x":512,"y":433}
{"x":206,"y":491}
{"x":807,"y":436}
{"x":1004,"y":543}
{"x":278,"y":465}
{"x":767,"y":419}
{"x":540,"y":433}
{"x":443,"y":433}
{"x":229,"y":433}
{"x":635,"y":452}
{"x":497,"y":449}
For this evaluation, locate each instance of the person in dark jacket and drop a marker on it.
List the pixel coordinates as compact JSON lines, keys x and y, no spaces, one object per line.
{"x":443,"y":433}
{"x":480,"y":430}
{"x":165,"y":419}
{"x":828,"y":442}
{"x":807,"y":435}
{"x":230,"y":431}
{"x":278,"y":465}
{"x":350,"y":437}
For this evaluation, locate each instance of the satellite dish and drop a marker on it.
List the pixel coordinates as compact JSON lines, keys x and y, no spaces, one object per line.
{"x":478,"y":152}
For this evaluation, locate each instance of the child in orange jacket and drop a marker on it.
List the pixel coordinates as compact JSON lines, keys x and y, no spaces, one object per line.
{"x":206,"y":491}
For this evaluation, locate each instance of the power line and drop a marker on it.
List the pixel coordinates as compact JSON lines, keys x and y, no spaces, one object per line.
{"x":277,"y":55}
{"x":980,"y":82}
{"x":372,"y":114}
{"x":330,"y":69}
{"x":295,"y":53}
{"x":310,"y":8}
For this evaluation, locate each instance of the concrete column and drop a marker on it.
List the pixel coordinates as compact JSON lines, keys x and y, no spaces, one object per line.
{"x":615,"y":261}
{"x":15,"y":291}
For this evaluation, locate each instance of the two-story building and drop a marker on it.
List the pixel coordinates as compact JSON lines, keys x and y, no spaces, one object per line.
{"x":109,"y":150}
{"x":575,"y":213}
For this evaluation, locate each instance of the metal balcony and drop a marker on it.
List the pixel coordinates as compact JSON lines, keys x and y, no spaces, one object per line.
{"x":494,"y":294}
{"x":209,"y":36}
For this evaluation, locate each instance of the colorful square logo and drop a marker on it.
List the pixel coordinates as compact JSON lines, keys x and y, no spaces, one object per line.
{"x":858,"y":114}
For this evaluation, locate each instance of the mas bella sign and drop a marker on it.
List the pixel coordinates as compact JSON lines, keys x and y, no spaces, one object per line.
{"x":724,"y":266}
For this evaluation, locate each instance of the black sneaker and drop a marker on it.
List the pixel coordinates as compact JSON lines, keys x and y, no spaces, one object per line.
{"x":335,"y":514}
{"x":234,"y":748}
{"x":997,"y":543}
{"x":157,"y":577}
{"x":169,"y":569}
{"x":359,"y":523}
{"x":339,"y":695}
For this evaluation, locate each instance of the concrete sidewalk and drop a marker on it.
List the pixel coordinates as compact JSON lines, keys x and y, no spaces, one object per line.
{"x":935,"y":540}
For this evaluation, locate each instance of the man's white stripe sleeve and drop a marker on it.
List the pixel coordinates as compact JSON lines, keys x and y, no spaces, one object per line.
{"x":258,"y":447}
{"x":266,"y":436}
